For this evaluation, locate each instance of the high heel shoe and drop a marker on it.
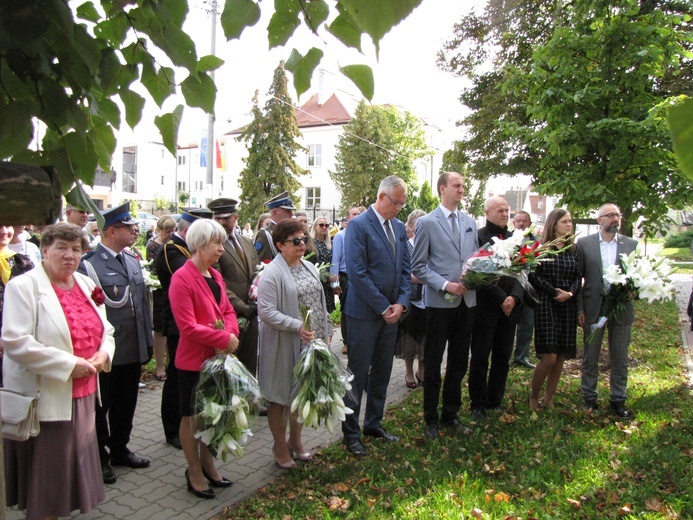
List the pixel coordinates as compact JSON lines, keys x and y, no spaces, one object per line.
{"x":207,"y":493}
{"x":221,"y":483}
{"x":410,"y":384}
{"x":300,"y":456}
{"x":283,"y":465}
{"x":419,"y":380}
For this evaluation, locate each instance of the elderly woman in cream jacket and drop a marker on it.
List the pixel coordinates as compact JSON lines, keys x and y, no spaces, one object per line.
{"x":56,"y":339}
{"x":286,"y":284}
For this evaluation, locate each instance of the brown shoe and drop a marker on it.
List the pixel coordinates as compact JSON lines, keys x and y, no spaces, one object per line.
{"x":344,"y":349}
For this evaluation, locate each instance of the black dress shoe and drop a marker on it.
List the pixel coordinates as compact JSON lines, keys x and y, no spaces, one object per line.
{"x":131,"y":460}
{"x":524,"y":363}
{"x":451,"y":423}
{"x":205,"y":493}
{"x":478,"y":413}
{"x":175,"y":442}
{"x":355,"y":447}
{"x":221,"y":483}
{"x":381,"y":433}
{"x":621,"y":410}
{"x":109,"y":476}
{"x":432,"y":431}
{"x":590,"y":406}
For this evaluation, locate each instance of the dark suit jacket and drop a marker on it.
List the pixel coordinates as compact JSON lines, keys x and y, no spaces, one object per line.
{"x":171,"y":257}
{"x":589,"y":300}
{"x":132,"y":322}
{"x":238,"y":273}
{"x":493,"y":297}
{"x":377,"y":278}
{"x":262,"y":243}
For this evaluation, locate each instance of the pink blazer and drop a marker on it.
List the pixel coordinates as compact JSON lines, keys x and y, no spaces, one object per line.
{"x":195,"y":311}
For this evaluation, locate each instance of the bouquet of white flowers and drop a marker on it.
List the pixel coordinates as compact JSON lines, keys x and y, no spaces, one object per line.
{"x":227,"y":398}
{"x":322,"y":381}
{"x":634,"y":276}
{"x":150,"y":280}
{"x":515,"y":257}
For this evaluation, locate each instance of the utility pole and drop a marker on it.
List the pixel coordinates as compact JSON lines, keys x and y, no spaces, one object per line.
{"x":211,"y":143}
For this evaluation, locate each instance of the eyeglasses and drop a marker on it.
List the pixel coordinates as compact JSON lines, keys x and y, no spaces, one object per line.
{"x":323,"y":225}
{"x":402,"y":205}
{"x":611,"y":215}
{"x":297,"y":241}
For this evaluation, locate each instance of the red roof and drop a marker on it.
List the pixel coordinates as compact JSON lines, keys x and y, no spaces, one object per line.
{"x":332,"y":112}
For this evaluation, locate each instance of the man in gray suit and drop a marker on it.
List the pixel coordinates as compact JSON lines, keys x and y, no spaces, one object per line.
{"x":237,"y":266}
{"x":444,"y":239}
{"x":119,"y":274}
{"x":379,"y":286}
{"x":597,"y":252}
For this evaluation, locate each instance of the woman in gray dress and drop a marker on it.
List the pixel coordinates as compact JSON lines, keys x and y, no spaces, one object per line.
{"x":287,"y":283}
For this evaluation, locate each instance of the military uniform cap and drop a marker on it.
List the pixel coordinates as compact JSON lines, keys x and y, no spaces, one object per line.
{"x":119,"y":215}
{"x":281,"y":201}
{"x":192,"y":214}
{"x":223,"y":207}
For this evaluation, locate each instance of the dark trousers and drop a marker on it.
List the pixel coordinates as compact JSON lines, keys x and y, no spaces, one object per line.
{"x":371,"y":351}
{"x":525,"y":330}
{"x":454,"y":328}
{"x":492,"y":337}
{"x":343,"y":284}
{"x":119,"y":391}
{"x":247,"y":346}
{"x":170,"y":407}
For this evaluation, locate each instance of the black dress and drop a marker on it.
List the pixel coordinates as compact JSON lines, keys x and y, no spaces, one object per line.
{"x":555,"y":323}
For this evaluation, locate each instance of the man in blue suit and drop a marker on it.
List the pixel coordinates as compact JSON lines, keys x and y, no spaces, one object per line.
{"x":378,"y":294}
{"x":444,"y":239}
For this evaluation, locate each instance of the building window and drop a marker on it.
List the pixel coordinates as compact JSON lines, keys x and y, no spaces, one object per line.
{"x":181,"y":160}
{"x":181,"y":186}
{"x":102,"y":178}
{"x":130,"y":169}
{"x":314,"y":155}
{"x":162,"y":180}
{"x":540,"y":204}
{"x":312,"y":197}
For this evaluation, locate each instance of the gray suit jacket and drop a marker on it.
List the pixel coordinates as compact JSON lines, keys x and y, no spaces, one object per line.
{"x":438,"y":258}
{"x":132,"y":322}
{"x":589,"y":300}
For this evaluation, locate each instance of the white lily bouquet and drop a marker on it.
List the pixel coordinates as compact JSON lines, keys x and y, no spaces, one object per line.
{"x":322,"y":381}
{"x":227,"y":399}
{"x":150,"y":280}
{"x":635,"y":276}
{"x":243,"y":322}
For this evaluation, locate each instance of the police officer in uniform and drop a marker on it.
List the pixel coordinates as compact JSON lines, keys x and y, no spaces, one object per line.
{"x":119,"y":274}
{"x":280,"y":208}
{"x":237,"y":267}
{"x":171,"y":257}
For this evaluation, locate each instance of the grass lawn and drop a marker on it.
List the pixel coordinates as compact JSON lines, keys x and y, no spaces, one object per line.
{"x":516,"y":464}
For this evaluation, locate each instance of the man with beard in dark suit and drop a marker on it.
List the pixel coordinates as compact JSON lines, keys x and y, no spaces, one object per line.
{"x":237,"y":267}
{"x":280,"y":208}
{"x":171,"y":257}
{"x":119,"y":274}
{"x":497,"y":311}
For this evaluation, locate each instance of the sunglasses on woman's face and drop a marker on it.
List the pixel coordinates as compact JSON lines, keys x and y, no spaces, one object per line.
{"x":297,"y":241}
{"x":323,"y":225}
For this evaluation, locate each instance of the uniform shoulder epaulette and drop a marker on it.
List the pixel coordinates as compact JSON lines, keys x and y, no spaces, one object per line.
{"x":133,"y":255}
{"x":88,"y":255}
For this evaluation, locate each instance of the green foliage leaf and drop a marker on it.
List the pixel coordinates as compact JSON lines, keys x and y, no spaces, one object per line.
{"x":208,"y":63}
{"x":199,"y":91}
{"x":377,"y":18}
{"x":362,"y":77}
{"x":87,"y":11}
{"x":316,"y":12}
{"x":16,"y":130}
{"x":104,"y":142}
{"x":345,"y":30}
{"x":134,"y":103}
{"x":160,"y":84}
{"x":283,"y":22}
{"x":237,"y":15}
{"x":680,"y":121}
{"x":302,"y":67}
{"x":168,"y":125}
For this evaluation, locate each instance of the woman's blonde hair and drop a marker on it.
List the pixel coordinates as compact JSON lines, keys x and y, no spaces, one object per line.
{"x":327,"y":240}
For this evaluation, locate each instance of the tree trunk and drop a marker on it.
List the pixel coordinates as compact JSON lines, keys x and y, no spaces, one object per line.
{"x":29,"y":194}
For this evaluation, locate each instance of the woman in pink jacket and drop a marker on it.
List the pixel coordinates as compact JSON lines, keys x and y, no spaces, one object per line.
{"x":208,"y":326}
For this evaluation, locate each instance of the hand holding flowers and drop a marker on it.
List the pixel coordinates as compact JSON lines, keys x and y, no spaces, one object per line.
{"x":634,"y":276}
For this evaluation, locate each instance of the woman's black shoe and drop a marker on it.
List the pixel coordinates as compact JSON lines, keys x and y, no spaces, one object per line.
{"x":221,"y":483}
{"x":207,"y":493}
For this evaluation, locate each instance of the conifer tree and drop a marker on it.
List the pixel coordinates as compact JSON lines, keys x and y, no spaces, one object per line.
{"x":272,"y":136}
